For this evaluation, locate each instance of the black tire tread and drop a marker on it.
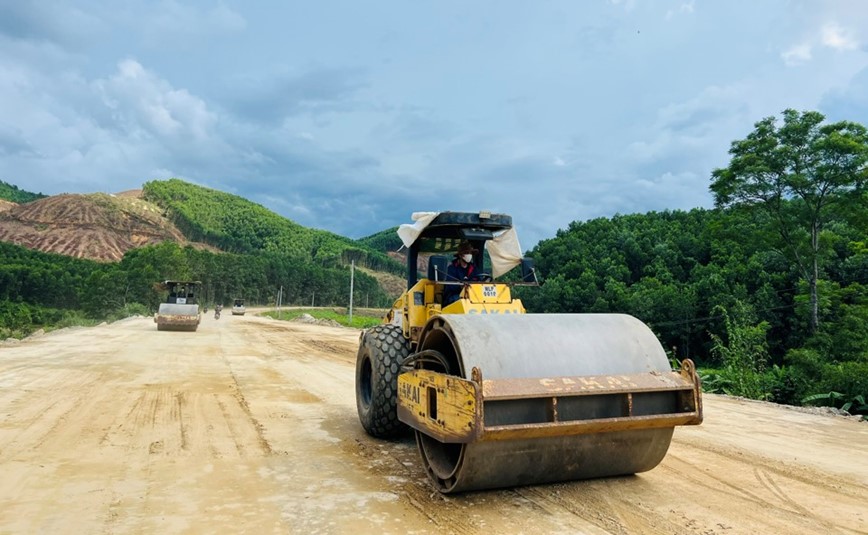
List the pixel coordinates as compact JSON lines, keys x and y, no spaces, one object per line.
{"x":387,"y":349}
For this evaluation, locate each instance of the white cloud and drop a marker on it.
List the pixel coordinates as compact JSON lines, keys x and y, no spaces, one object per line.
{"x":837,"y":38}
{"x":797,"y":54}
{"x":140,"y":99}
{"x":830,"y":35}
{"x":685,"y":7}
{"x":63,"y":132}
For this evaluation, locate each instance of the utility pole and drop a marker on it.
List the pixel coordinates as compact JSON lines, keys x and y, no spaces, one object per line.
{"x":352,"y":274}
{"x":279,"y":300}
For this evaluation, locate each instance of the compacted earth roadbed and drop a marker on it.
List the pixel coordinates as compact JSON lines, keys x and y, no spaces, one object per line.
{"x":253,"y":428}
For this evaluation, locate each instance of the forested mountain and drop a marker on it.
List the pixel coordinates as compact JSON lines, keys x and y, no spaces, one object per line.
{"x":385,"y":240}
{"x":9,"y":192}
{"x":235,"y":224}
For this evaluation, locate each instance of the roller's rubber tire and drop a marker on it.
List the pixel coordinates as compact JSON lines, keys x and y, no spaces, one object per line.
{"x":382,"y":350}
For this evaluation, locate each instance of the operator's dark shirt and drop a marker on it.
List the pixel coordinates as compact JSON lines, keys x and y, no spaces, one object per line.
{"x":456,"y":273}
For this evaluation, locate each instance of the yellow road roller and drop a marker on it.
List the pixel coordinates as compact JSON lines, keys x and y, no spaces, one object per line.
{"x":180,"y":312}
{"x":498,"y":397}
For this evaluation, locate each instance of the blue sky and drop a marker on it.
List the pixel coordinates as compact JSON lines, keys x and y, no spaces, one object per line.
{"x":349,"y":116}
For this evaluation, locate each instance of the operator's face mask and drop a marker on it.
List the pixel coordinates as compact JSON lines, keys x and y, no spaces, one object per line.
{"x":467,"y":258}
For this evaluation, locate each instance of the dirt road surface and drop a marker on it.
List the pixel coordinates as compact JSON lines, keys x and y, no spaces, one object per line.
{"x":249,"y":426}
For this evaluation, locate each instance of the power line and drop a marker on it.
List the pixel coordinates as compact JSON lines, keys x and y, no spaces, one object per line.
{"x":709,"y":318}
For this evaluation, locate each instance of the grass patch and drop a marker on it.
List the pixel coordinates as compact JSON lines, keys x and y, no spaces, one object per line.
{"x":362,"y":319}
{"x":52,"y":319}
{"x":69,"y":319}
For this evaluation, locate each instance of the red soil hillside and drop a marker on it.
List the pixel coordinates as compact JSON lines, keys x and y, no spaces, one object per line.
{"x":97,"y":226}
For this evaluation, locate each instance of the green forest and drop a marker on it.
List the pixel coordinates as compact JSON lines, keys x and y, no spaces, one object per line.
{"x":385,"y":240}
{"x":767,"y":291}
{"x":9,"y":192}
{"x":39,"y":289}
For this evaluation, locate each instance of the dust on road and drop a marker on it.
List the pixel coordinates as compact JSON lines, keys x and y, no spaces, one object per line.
{"x":249,"y":425}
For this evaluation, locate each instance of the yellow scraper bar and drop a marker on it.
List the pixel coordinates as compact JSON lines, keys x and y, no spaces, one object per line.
{"x":442,"y":406}
{"x":456,"y":410}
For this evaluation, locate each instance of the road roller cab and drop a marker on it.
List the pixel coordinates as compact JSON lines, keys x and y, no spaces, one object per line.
{"x":434,"y":241}
{"x":497,"y":397}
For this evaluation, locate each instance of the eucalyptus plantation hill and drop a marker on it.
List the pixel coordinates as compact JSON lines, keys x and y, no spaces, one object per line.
{"x":234,"y":224}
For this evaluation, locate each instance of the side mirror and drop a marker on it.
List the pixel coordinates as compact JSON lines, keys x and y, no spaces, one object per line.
{"x":528,"y":273}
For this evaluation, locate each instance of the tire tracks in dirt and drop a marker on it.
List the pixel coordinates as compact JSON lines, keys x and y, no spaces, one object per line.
{"x":755,"y":486}
{"x":800,"y":473}
{"x":238,"y":395}
{"x":32,"y":432}
{"x":596,"y":502}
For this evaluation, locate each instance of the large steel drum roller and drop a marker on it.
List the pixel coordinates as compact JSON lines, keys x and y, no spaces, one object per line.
{"x":505,"y":400}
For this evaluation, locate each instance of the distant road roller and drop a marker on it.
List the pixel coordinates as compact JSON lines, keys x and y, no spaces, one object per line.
{"x":501,"y":398}
{"x":180,"y":312}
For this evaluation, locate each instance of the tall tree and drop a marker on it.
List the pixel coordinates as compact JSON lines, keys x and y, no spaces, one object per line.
{"x":794,"y":173}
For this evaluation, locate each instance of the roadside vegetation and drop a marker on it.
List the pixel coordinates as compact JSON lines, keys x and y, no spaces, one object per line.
{"x":362,"y":318}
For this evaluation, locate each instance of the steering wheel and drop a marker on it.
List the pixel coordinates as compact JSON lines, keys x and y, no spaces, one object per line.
{"x":484,"y":277}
